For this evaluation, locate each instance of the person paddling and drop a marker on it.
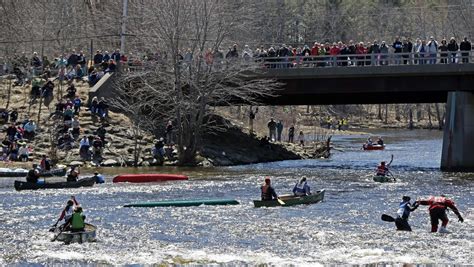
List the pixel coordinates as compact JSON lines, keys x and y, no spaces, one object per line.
{"x":77,"y":220}
{"x":67,"y":212}
{"x":33,"y":175}
{"x":268,"y":193}
{"x":73,"y":174}
{"x":302,"y":188}
{"x":99,"y":178}
{"x":437,"y":209}
{"x":404,"y":210}
{"x":382,"y":169}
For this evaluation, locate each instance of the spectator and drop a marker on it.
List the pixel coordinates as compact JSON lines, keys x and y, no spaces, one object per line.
{"x":111,"y":67}
{"x":76,"y":127}
{"x":432,"y":50}
{"x":11,"y":132}
{"x":443,"y":48}
{"x":71,"y":91}
{"x":279,"y":128}
{"x":84,"y":146}
{"x":116,"y":55}
{"x":103,"y":108}
{"x":14,"y":115}
{"x":98,"y":58}
{"x":77,"y":105}
{"x":291,"y":134}
{"x":101,"y":132}
{"x":422,"y":52}
{"x":383,"y":53}
{"x":453,"y":49}
{"x":13,"y":156}
{"x":272,"y":129}
{"x":35,"y":63}
{"x":301,"y":139}
{"x":397,"y":47}
{"x":406,"y":49}
{"x":82,"y":61}
{"x":23,"y":152}
{"x":106,"y":57}
{"x":73,"y":59}
{"x":247,"y":53}
{"x":169,"y":133}
{"x":30,"y":129}
{"x":465,"y":48}
{"x":374,"y":51}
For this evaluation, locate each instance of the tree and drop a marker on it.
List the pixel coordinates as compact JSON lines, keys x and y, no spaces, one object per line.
{"x":182,"y":88}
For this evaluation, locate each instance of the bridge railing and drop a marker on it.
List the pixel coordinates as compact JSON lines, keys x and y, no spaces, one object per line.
{"x":379,"y":59}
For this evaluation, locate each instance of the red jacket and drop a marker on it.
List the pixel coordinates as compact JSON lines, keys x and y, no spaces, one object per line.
{"x":439,"y":203}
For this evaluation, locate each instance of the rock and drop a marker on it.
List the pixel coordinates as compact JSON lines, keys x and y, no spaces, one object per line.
{"x":76,"y":163}
{"x":110,"y":163}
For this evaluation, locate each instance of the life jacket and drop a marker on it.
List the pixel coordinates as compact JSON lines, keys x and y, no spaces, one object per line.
{"x":300,"y":189}
{"x":382,"y":170}
{"x":77,"y":221}
{"x":403,"y":210}
{"x":266,"y":192}
{"x":68,"y":212}
{"x":439,"y":202}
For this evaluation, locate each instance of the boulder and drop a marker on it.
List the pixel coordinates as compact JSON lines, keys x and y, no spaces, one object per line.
{"x":76,"y":163}
{"x":110,"y":163}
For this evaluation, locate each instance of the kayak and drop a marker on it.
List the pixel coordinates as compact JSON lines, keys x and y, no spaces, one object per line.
{"x":291,"y":200}
{"x":373,"y":147}
{"x":185,"y":203}
{"x":84,"y":182}
{"x":6,"y":172}
{"x":383,"y":179}
{"x":148,"y":178}
{"x":88,"y":235}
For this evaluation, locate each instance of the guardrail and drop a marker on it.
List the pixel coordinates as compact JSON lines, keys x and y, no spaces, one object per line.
{"x":379,"y":59}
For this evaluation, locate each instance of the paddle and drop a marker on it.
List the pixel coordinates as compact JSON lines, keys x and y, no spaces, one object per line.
{"x":54,"y":226}
{"x":387,"y":218}
{"x":280,"y":201}
{"x":61,"y":230}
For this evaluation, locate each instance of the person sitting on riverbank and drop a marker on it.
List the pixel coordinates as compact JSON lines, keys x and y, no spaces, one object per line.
{"x":404,"y":210}
{"x":84,"y":146}
{"x":73,"y":174}
{"x":30,"y":130}
{"x":302,"y":188}
{"x":437,"y":210}
{"x":268,"y":193}
{"x":301,"y":139}
{"x":24,"y":153}
{"x":33,"y":174}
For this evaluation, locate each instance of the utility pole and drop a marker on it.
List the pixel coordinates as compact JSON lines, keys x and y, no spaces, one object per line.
{"x":122,"y":32}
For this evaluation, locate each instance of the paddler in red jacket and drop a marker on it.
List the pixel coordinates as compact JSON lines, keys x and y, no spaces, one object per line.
{"x":437,"y":209}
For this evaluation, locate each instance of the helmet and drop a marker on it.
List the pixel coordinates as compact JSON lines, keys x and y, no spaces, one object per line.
{"x":406,"y":198}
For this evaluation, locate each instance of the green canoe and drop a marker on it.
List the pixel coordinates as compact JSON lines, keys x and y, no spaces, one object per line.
{"x":383,"y":179}
{"x":291,"y":200}
{"x":184,"y":203}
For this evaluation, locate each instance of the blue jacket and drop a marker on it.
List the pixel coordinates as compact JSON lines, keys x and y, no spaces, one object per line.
{"x":301,"y":189}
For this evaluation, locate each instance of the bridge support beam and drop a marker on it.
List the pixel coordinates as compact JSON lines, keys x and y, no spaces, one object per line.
{"x":458,"y":139}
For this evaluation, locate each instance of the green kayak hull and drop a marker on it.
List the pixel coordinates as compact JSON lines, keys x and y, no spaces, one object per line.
{"x":383,"y":179}
{"x":184,"y":203}
{"x":291,"y":200}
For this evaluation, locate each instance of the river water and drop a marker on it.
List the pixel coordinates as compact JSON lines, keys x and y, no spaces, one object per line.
{"x":344,"y":229}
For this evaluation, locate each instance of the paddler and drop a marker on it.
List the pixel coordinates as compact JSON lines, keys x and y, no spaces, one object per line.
{"x":437,"y":209}
{"x":77,"y":220}
{"x":68,"y":211}
{"x":99,"y":178}
{"x":33,"y":175}
{"x":302,"y":188}
{"x":73,"y":174}
{"x":382,"y":169}
{"x":268,"y":193}
{"x":404,"y":210}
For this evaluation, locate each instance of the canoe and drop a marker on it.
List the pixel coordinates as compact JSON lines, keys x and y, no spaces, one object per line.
{"x":148,"y":178}
{"x":5,"y":172}
{"x":84,"y":182}
{"x":185,"y":203}
{"x":291,"y":200}
{"x":383,"y":179}
{"x":373,"y":147}
{"x":89,"y":235}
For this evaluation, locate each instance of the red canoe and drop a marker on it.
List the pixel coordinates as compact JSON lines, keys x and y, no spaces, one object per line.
{"x":148,"y":178}
{"x":373,"y":147}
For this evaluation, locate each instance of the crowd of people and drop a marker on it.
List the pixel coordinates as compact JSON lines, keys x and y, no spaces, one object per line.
{"x":16,"y":144}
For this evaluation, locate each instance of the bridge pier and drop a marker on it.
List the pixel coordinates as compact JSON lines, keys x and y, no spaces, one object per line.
{"x":458,"y":139}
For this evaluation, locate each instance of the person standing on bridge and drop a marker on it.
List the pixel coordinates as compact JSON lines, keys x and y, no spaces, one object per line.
{"x":465,"y":48}
{"x":432,"y":48}
{"x":453,"y":50}
{"x":272,"y":129}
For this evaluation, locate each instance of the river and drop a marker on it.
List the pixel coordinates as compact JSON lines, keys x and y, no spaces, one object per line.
{"x":344,"y":229}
